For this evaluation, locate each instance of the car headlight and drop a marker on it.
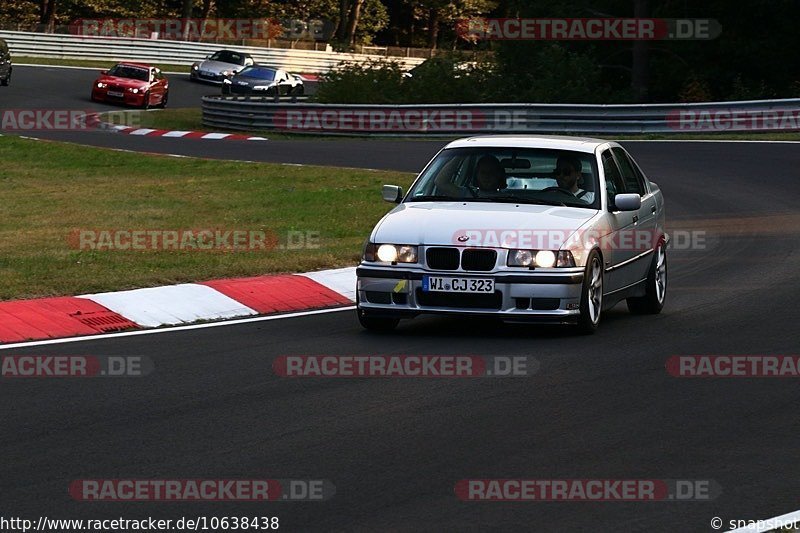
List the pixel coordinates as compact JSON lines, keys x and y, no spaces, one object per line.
{"x":226,"y":80}
{"x":390,"y":253}
{"x":195,"y":67}
{"x":101,"y":85}
{"x":227,"y":73}
{"x":540,"y":258}
{"x":134,"y":90}
{"x":261,"y":87}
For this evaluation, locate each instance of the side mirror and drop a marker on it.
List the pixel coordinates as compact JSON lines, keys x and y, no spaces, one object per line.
{"x":392,"y":193}
{"x":627,"y":202}
{"x":103,"y":72}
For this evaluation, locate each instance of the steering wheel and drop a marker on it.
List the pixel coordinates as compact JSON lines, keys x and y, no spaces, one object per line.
{"x":558,"y":189}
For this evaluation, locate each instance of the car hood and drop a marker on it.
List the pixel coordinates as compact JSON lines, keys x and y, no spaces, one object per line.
{"x":505,"y":225}
{"x":124,"y":82}
{"x":218,"y":67}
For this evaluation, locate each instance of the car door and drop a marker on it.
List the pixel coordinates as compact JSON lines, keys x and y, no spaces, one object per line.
{"x":644,"y":221}
{"x":156,"y":88}
{"x":283,"y":82}
{"x":617,"y":254}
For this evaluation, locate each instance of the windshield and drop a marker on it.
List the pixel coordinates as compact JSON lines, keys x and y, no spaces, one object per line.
{"x":225,"y":56}
{"x":520,"y":175}
{"x":261,"y":73}
{"x":127,"y":71}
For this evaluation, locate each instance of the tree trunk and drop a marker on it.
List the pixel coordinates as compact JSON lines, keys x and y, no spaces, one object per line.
{"x":433,"y":28}
{"x":47,"y":14}
{"x":352,"y":23}
{"x":341,"y":24}
{"x":186,"y":13}
{"x":640,"y":77}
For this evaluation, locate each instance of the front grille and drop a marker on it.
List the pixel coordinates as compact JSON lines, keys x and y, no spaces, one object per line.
{"x":478,"y":260}
{"x":442,"y":258}
{"x":459,"y":300}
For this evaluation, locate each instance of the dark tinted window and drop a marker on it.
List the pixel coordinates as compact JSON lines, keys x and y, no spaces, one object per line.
{"x":633,"y":183}
{"x":614,"y":182}
{"x":226,"y":56}
{"x":261,"y":73}
{"x":128,"y":71}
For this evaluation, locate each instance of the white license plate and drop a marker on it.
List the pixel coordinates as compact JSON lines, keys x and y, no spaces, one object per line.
{"x":115,"y":93}
{"x":448,"y":284}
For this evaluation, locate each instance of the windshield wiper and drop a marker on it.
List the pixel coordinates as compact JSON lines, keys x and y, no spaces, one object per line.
{"x":517,"y":199}
{"x":433,"y":197}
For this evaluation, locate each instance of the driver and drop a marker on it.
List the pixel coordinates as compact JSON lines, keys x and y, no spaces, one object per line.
{"x":489,"y":174}
{"x":568,"y":174}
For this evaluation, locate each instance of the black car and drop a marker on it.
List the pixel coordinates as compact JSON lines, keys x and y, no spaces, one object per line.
{"x":5,"y":63}
{"x":261,"y":80}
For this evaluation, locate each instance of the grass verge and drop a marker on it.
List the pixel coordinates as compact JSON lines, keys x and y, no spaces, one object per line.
{"x":91,"y":63}
{"x":51,"y":189}
{"x":191,"y":119}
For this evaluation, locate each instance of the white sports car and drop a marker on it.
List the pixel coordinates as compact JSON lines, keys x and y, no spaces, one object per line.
{"x":524,"y":228}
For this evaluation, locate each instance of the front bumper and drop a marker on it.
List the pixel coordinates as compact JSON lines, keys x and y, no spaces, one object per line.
{"x":543,"y":295}
{"x":127,"y":98}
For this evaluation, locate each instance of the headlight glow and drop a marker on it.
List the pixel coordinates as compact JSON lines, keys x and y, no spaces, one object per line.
{"x":101,"y":85}
{"x":545,"y":259}
{"x":387,"y":253}
{"x":134,"y":90}
{"x":195,"y":66}
{"x":540,"y":258}
{"x":390,"y":253}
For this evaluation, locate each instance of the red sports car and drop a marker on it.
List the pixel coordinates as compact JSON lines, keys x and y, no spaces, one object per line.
{"x":133,"y":84}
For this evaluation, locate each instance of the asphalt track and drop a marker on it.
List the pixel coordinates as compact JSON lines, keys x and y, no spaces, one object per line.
{"x":601,"y":406}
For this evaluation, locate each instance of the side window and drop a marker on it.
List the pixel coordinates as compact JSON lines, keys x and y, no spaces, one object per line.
{"x":614,"y":182}
{"x":633,"y":182}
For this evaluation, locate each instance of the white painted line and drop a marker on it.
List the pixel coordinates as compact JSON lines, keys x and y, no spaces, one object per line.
{"x":341,"y":280}
{"x":171,"y":304}
{"x":175,"y":329}
{"x":769,"y":524}
{"x":176,"y":133}
{"x":141,"y":131}
{"x":215,"y":135}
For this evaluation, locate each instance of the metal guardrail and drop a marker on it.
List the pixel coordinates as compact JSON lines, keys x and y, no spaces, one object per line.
{"x":176,"y":52}
{"x":253,"y":114}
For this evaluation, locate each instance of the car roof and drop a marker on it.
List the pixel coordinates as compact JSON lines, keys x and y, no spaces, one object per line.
{"x":556,"y":142}
{"x":130,"y":64}
{"x":233,"y":52}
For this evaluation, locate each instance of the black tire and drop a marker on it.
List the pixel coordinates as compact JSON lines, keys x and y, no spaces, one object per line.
{"x":591,"y":295}
{"x":226,"y":91}
{"x":656,"y":291}
{"x":298,"y":91}
{"x":7,"y":81}
{"x":146,"y":100}
{"x":163,"y":103}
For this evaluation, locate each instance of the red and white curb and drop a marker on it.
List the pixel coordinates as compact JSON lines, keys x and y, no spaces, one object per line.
{"x":94,"y":120}
{"x":174,"y":305}
{"x":179,"y":134}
